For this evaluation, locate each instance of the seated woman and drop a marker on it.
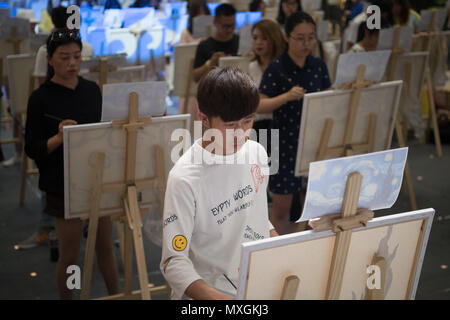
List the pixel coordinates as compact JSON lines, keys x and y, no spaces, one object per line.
{"x":65,"y":96}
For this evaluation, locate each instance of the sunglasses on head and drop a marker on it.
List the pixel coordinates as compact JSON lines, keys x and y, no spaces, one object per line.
{"x":65,"y":35}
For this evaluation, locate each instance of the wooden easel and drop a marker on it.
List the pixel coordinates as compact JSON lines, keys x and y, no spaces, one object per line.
{"x":15,"y":41}
{"x":347,"y":148}
{"x":131,"y":215}
{"x":426,"y":46}
{"x":342,"y":224}
{"x":401,"y":131}
{"x":103,"y":68}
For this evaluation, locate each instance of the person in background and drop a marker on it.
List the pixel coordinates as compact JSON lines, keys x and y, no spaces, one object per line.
{"x":257,"y":5}
{"x":285,"y":9}
{"x":267,"y":43}
{"x":59,"y":19}
{"x":195,"y":8}
{"x":404,"y":15}
{"x":355,"y":7}
{"x":368,"y":41}
{"x":66,"y":96}
{"x":45,"y":23}
{"x":46,"y":224}
{"x":222,"y":43}
{"x":284,"y":83}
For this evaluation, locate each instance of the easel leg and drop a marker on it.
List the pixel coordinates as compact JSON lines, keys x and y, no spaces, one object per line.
{"x":135,"y":215}
{"x":93,"y":225}
{"x":437,"y":138}
{"x":409,"y":183}
{"x":128,"y":260}
{"x":23,"y":178}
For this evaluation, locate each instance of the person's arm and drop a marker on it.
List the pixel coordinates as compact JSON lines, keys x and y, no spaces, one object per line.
{"x":178,"y":225}
{"x":200,"y":290}
{"x":268,"y":105}
{"x":54,"y":142}
{"x":199,"y":72}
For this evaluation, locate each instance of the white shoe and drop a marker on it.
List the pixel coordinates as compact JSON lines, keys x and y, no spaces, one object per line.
{"x":11,"y":161}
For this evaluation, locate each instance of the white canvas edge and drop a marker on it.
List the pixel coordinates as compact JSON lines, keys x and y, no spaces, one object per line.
{"x":103,"y":125}
{"x":248,"y":247}
{"x":308,"y":96}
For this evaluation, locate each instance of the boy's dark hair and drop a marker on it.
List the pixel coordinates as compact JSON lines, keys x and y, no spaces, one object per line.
{"x":225,"y":9}
{"x":60,"y":17}
{"x":228,"y":93}
{"x":297,"y":18}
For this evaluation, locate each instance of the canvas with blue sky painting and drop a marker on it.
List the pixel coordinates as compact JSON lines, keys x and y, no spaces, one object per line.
{"x":382,"y":180}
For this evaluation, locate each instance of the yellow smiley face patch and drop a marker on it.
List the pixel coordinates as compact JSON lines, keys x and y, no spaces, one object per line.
{"x":179,"y":242}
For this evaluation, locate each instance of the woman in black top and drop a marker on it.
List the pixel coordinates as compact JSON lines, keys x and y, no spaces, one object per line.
{"x":67,"y":96}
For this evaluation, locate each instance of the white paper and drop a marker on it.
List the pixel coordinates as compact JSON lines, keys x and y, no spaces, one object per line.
{"x":311,"y":5}
{"x":425,"y":19}
{"x":375,"y":62}
{"x":386,"y":39}
{"x":199,"y":26}
{"x":245,"y":40}
{"x":152,"y":97}
{"x":382,"y":180}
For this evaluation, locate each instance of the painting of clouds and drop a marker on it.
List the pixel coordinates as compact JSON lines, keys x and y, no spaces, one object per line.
{"x":152,"y":99}
{"x":382,"y":180}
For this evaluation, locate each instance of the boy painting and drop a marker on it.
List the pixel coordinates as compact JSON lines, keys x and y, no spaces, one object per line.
{"x":211,"y":207}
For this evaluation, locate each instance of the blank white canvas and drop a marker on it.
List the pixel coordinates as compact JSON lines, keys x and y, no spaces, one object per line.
{"x":386,"y":39}
{"x":20,"y":68}
{"x":183,"y":54}
{"x":82,"y":142}
{"x":381,"y":99}
{"x":152,"y":99}
{"x":312,"y":5}
{"x":199,"y":26}
{"x":245,"y":40}
{"x":375,"y":62}
{"x":425,"y":19}
{"x":398,"y":238}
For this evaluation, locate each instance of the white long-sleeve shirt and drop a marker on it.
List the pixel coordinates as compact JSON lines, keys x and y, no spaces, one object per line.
{"x":209,"y":211}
